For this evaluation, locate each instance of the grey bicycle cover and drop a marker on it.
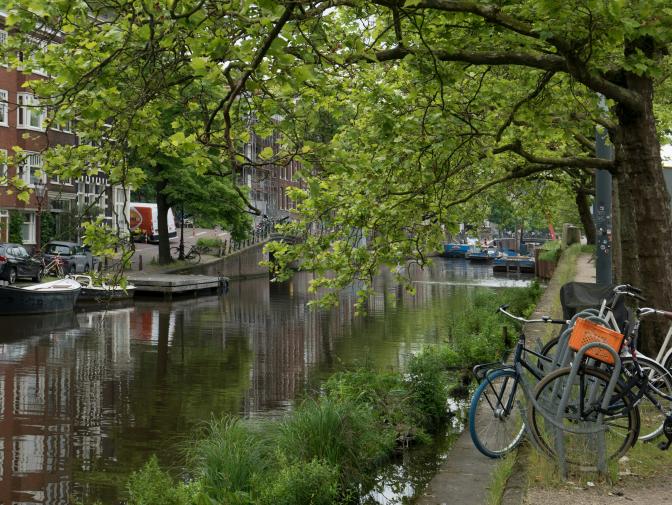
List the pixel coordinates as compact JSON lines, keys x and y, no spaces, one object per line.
{"x":577,"y":296}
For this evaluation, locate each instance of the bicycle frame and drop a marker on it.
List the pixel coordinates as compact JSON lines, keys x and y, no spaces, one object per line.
{"x":519,"y":363}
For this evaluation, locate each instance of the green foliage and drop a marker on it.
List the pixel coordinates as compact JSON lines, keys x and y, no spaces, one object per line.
{"x":551,"y":251}
{"x":229,"y":459}
{"x":302,"y":483}
{"x":388,"y":394}
{"x":152,"y":486}
{"x":337,"y":433}
{"x":429,"y":388}
{"x":47,"y":227}
{"x":15,"y":225}
{"x":477,"y":335}
{"x":210,"y":243}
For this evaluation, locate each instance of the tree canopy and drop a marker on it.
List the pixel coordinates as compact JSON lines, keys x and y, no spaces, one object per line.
{"x":431,"y":103}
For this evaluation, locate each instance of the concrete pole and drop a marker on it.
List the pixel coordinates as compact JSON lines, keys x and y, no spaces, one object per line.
{"x":602,"y":208}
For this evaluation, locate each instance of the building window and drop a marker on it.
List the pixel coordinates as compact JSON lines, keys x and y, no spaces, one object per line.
{"x":4,"y":174}
{"x":30,"y":169}
{"x":29,"y":113}
{"x":4,"y":108}
{"x":28,"y":228}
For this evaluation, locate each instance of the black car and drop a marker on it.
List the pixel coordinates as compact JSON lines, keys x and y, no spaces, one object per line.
{"x":15,"y":262}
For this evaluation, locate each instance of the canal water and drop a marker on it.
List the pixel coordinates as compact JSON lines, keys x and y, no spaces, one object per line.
{"x":87,"y":397}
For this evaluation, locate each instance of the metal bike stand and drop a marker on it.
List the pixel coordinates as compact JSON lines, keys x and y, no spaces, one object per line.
{"x":599,"y":430}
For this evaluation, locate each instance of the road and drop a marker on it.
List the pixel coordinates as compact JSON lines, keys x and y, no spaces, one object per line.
{"x":191,"y":236}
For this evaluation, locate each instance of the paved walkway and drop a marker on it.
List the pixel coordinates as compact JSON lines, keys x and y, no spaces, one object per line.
{"x":465,"y":475}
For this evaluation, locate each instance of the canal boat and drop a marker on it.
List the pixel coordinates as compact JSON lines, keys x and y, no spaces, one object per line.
{"x":55,"y":296}
{"x":455,"y":250}
{"x":103,"y":293}
{"x":482,"y":255}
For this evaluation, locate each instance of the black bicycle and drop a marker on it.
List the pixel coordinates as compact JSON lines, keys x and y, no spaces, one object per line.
{"x":193,"y":255}
{"x":600,"y":409}
{"x":496,"y":423}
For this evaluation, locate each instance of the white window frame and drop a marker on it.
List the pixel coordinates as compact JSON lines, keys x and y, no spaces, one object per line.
{"x":4,"y":107}
{"x":29,"y":219}
{"x":31,"y":162}
{"x":27,"y":108}
{"x":4,"y":172}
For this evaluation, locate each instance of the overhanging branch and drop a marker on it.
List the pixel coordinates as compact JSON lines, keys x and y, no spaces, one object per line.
{"x":570,"y":161}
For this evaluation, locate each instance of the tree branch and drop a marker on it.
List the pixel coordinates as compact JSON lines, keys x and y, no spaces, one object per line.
{"x":571,"y":161}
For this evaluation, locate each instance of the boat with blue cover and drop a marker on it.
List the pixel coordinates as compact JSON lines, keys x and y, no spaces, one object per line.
{"x":455,"y":250}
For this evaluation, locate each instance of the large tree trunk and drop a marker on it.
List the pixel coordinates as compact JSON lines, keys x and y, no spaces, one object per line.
{"x":646,"y":224}
{"x":581,"y":198}
{"x":162,"y":216}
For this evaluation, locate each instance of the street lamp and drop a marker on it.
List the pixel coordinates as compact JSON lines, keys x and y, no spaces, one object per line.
{"x":40,"y":193}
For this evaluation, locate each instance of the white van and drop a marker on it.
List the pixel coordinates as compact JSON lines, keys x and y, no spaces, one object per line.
{"x":145,"y":224}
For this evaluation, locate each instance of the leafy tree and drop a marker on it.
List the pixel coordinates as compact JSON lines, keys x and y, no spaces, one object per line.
{"x":15,"y":226}
{"x":437,"y":101}
{"x":47,"y":227}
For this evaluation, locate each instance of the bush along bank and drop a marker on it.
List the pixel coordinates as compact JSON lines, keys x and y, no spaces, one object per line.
{"x":331,"y":446}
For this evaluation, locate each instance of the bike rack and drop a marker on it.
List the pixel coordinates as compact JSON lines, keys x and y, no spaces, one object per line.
{"x":599,"y":430}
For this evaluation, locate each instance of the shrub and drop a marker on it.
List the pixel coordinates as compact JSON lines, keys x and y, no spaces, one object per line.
{"x":339,"y":434}
{"x":551,"y":251}
{"x":150,"y":486}
{"x":229,"y":459}
{"x":428,"y":384}
{"x":301,"y":483}
{"x":386,"y":393}
{"x":209,"y":243}
{"x":15,"y":225}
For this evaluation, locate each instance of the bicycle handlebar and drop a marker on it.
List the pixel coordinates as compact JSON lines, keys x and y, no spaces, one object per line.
{"x":544,"y":319}
{"x":627,"y":289}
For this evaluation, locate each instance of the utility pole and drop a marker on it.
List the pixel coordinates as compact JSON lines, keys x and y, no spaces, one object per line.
{"x":602,"y":208}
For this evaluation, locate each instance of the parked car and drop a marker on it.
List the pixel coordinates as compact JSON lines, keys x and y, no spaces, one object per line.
{"x":15,"y":262}
{"x":76,"y":259}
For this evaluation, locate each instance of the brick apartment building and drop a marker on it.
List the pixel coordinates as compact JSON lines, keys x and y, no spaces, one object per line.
{"x":268,"y":183}
{"x":23,"y":124}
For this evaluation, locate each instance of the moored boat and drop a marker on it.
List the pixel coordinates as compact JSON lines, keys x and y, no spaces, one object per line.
{"x":55,"y":296}
{"x":103,"y":293}
{"x":455,"y":250}
{"x":482,"y":255}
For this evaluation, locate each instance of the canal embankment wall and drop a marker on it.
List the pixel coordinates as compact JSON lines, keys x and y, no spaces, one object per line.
{"x":243,"y":264}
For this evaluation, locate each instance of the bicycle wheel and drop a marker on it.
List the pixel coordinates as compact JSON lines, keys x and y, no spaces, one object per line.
{"x":579,"y":433}
{"x":549,"y":350}
{"x":175,"y":252}
{"x":495,"y":422}
{"x":651,"y":418}
{"x":193,"y":257}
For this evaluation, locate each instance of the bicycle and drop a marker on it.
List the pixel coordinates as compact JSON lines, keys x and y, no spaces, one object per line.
{"x":651,"y":420}
{"x":590,"y":417}
{"x":496,"y":425}
{"x":193,"y":255}
{"x":53,"y":267}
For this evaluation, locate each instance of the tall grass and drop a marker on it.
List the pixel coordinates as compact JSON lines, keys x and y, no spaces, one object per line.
{"x":229,"y":459}
{"x":344,"y":435}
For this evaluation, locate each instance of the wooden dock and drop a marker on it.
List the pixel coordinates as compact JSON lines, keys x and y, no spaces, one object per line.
{"x":169,"y":285}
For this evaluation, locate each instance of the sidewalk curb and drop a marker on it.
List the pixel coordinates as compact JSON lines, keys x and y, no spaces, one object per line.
{"x":516,"y":485}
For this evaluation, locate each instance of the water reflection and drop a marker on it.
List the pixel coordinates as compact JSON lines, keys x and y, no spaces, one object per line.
{"x":85,"y":399}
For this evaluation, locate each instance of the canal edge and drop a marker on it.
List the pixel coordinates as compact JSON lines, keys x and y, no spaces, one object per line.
{"x":579,"y":268}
